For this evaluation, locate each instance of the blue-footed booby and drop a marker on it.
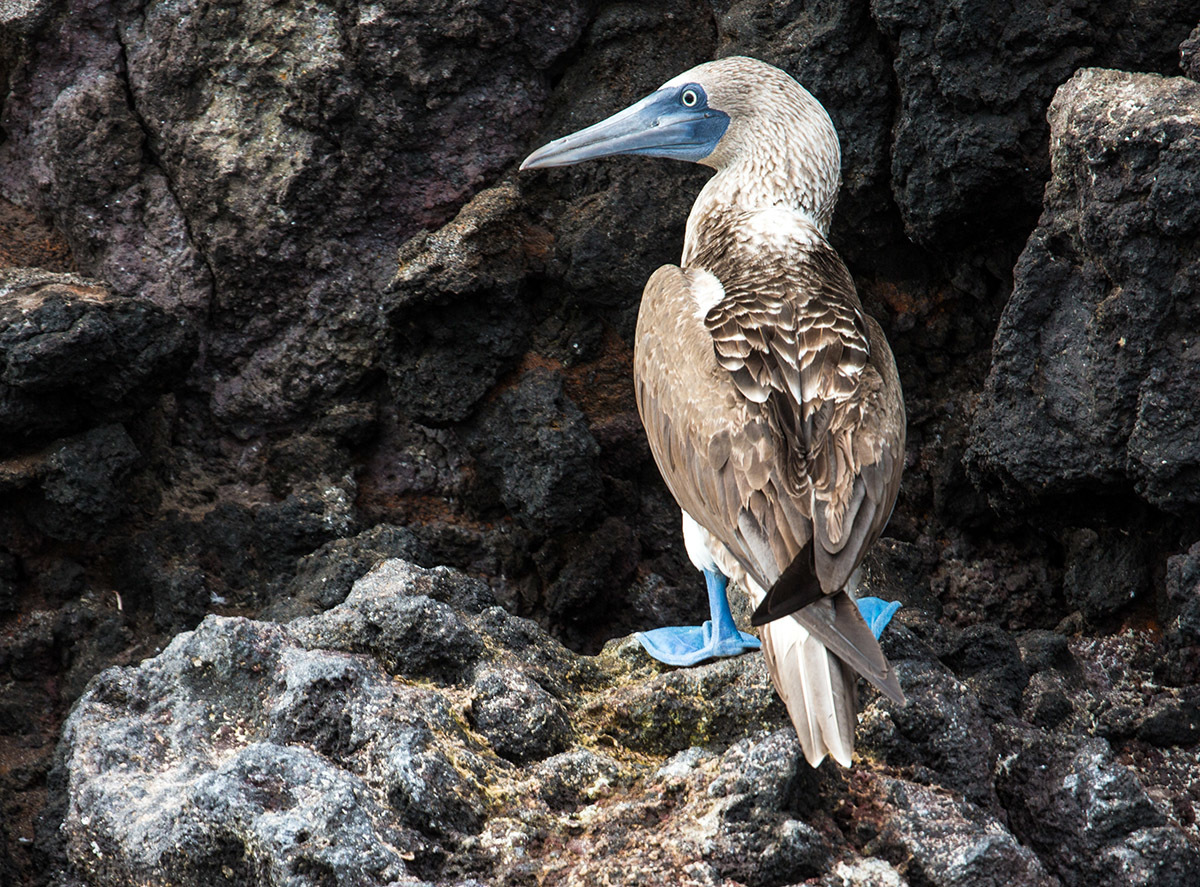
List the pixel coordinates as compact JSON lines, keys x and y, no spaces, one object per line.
{"x":770,"y":398}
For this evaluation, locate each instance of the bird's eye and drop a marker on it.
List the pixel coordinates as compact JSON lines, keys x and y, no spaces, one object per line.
{"x":690,"y":98}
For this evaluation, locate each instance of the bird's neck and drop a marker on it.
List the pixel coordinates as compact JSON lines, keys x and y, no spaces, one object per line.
{"x":758,"y":181}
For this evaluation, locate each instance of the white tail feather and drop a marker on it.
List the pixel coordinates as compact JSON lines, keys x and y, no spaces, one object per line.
{"x":816,"y":688}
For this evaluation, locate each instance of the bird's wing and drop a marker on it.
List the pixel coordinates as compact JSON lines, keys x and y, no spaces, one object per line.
{"x":747,"y":390}
{"x":794,"y":339}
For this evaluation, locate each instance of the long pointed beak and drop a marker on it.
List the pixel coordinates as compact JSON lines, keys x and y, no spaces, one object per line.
{"x":656,"y":126}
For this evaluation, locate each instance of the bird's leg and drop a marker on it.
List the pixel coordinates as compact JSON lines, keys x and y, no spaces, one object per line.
{"x":719,"y":636}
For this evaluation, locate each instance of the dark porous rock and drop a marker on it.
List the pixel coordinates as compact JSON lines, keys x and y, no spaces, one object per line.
{"x":968,"y":157}
{"x":940,"y":732}
{"x":324,"y":578}
{"x":987,"y":659}
{"x":1123,"y":701}
{"x":520,"y":720}
{"x":9,"y":574}
{"x":241,"y":551}
{"x":1014,"y":591}
{"x":1047,"y":701}
{"x":869,"y":872}
{"x":1181,"y":665}
{"x":1088,"y":816}
{"x":586,"y":577}
{"x":577,"y":777}
{"x":1041,"y":650}
{"x":270,"y":186}
{"x":26,"y":16}
{"x":533,"y":445}
{"x":1189,"y":55}
{"x":1106,"y":569}
{"x":336,"y":749}
{"x":456,"y":316}
{"x":936,"y":839}
{"x":1093,"y":376}
{"x":73,"y":354}
{"x":83,"y":485}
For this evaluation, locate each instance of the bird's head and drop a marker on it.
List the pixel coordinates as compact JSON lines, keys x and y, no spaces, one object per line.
{"x":714,"y":114}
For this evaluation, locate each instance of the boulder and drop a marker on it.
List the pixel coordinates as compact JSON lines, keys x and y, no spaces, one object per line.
{"x":1094,"y":366}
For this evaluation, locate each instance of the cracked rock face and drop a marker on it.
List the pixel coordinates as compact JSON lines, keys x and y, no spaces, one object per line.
{"x":341,"y":748}
{"x":1094,"y":366}
{"x":308,"y":397}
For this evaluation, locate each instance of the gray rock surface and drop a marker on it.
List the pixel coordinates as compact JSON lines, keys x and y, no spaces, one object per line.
{"x":283,"y":310}
{"x":1094,"y":372}
{"x":416,"y":733}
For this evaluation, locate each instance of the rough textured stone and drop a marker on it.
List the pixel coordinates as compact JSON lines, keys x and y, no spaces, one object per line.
{"x":936,"y":839}
{"x":1189,"y":55}
{"x":341,"y":120}
{"x":940,"y":732}
{"x":1106,"y":570}
{"x":968,"y":157}
{"x":73,"y":354}
{"x":83,"y":485}
{"x":1089,"y":816}
{"x":533,"y":444}
{"x":1182,"y":639}
{"x":1093,"y":368}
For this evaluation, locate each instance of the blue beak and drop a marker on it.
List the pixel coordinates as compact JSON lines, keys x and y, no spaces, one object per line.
{"x":660,"y":125}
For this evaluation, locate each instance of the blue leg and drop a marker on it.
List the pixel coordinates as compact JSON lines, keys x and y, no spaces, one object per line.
{"x":717,"y":637}
{"x":877,"y":612}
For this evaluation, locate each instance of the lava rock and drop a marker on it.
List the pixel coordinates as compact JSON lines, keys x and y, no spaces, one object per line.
{"x":1181,"y":665}
{"x":1106,"y":570}
{"x":238,"y":552}
{"x":1189,"y":55}
{"x":361,"y":128}
{"x":324,"y":578}
{"x":1082,"y":810}
{"x":73,"y":354}
{"x":456,"y":315}
{"x":239,"y":806}
{"x":83,"y":487}
{"x":676,"y":709}
{"x":933,"y":838}
{"x":988,"y":660}
{"x":974,"y":82}
{"x":413,"y":636}
{"x":532,"y":442}
{"x":1093,"y":374}
{"x":941,"y":731}
{"x":520,"y":720}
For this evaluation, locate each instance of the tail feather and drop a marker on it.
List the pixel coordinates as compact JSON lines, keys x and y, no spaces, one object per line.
{"x":817,"y":688}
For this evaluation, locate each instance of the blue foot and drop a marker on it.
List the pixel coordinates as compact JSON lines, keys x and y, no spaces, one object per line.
{"x":877,"y":612}
{"x":716,"y":637}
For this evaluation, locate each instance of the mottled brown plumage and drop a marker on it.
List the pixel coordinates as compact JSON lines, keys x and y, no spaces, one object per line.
{"x":770,"y":399}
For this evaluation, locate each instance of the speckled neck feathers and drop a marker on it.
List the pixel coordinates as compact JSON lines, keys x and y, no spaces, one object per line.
{"x":780,"y":153}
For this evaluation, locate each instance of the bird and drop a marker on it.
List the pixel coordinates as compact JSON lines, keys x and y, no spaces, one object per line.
{"x":770,"y":399}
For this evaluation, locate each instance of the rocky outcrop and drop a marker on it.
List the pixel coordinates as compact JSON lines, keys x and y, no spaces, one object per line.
{"x":73,"y":354}
{"x":277,"y":308}
{"x":969,"y":156}
{"x":1094,"y":367}
{"x":417,"y":733}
